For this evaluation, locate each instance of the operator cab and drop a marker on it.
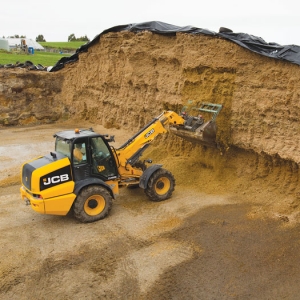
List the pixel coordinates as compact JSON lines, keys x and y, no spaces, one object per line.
{"x":90,"y":154}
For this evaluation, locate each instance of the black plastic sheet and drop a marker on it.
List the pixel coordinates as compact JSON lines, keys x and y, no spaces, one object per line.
{"x":290,"y":53}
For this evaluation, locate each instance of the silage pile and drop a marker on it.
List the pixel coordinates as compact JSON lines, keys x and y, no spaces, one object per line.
{"x":127,"y":79}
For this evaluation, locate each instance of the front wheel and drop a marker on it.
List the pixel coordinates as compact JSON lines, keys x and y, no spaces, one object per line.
{"x":92,"y":204}
{"x":160,"y":186}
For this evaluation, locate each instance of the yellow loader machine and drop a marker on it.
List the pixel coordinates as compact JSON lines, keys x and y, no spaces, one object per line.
{"x":85,"y":172}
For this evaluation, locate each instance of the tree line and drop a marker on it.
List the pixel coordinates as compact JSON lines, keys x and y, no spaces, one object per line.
{"x":40,"y":38}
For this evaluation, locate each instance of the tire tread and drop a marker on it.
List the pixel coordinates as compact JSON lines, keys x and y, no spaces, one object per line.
{"x":150,"y":191}
{"x":78,"y":207}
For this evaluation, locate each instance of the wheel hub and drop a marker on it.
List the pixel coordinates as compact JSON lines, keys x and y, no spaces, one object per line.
{"x":92,"y":203}
{"x":160,"y":185}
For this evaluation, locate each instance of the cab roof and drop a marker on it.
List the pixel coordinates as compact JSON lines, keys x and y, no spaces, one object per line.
{"x":77,"y":133}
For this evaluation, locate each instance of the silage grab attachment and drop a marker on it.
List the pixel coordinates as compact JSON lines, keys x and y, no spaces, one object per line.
{"x":196,"y":128}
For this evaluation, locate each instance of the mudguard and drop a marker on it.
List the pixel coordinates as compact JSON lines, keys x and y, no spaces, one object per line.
{"x":147,"y":174}
{"x":91,"y":181}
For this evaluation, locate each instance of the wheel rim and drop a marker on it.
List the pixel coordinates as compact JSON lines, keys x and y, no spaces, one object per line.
{"x":94,"y":205}
{"x":162,"y":185}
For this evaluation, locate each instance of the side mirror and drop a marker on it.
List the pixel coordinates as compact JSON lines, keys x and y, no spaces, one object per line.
{"x":53,"y":154}
{"x":110,"y":139}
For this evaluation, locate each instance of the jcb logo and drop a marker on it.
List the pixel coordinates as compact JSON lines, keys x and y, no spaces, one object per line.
{"x":100,"y":168}
{"x":149,"y":133}
{"x":56,"y":179}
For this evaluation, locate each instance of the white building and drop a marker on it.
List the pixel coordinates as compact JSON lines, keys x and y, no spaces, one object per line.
{"x":4,"y":44}
{"x":16,"y":43}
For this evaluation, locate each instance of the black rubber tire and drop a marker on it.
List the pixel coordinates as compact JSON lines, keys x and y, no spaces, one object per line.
{"x":224,"y":29}
{"x":160,"y":186}
{"x":92,"y":204}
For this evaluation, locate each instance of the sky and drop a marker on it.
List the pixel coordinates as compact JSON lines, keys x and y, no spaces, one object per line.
{"x":274,"y":21}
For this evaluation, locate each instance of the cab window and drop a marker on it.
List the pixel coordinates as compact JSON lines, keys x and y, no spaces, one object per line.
{"x":79,"y":153}
{"x":63,"y":146}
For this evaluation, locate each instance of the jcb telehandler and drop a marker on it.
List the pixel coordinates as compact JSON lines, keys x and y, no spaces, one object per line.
{"x":85,"y":172}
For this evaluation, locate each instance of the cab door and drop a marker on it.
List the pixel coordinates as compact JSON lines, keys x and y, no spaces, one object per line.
{"x":103,"y":162}
{"x":80,"y":161}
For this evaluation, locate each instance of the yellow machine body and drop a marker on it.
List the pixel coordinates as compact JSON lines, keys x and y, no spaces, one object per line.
{"x":85,"y":171}
{"x":49,"y":188}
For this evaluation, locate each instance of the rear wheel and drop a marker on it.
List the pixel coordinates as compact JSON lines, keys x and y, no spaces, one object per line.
{"x":92,"y":204}
{"x":160,"y":185}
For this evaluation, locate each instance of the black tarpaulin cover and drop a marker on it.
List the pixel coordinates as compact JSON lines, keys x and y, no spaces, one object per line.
{"x":290,"y":53}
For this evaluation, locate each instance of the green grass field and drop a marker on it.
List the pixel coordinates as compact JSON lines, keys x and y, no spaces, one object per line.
{"x":44,"y":58}
{"x":40,"y":57}
{"x":62,"y":45}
